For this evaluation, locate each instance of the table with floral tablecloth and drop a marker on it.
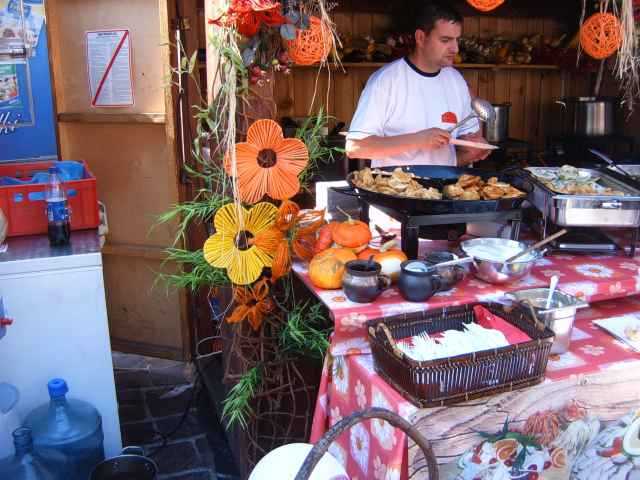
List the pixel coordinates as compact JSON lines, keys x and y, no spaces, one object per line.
{"x":374,"y":449}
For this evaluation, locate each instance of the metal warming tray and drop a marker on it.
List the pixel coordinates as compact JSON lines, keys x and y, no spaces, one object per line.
{"x":566,"y":210}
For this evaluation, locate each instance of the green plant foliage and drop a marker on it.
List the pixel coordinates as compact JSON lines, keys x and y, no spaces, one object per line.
{"x":319,"y":152}
{"x":236,"y":407}
{"x":196,"y":272}
{"x":305,"y":331}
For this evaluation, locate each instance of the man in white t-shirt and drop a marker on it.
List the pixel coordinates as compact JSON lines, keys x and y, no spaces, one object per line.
{"x":407,"y":107}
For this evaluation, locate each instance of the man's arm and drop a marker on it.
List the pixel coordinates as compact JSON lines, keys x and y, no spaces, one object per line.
{"x":375,"y":147}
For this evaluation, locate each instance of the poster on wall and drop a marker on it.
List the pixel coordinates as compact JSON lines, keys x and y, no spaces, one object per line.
{"x":109,"y":68}
{"x":27,"y":127}
{"x":9,"y":90}
{"x":16,"y":30}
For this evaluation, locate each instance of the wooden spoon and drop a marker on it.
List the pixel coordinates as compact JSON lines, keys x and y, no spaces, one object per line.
{"x":535,"y":246}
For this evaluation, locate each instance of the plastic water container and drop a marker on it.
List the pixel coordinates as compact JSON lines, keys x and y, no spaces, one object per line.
{"x":26,"y":464}
{"x":71,"y":427}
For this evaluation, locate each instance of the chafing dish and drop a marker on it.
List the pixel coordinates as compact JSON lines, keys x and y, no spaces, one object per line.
{"x":559,"y":317}
{"x":565,"y":210}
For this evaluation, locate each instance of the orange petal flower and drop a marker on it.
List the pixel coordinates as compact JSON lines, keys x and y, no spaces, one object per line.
{"x":281,"y":261}
{"x":267,"y":163}
{"x":287,"y":215}
{"x":252,"y":304}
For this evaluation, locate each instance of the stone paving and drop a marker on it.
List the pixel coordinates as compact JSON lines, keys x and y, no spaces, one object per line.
{"x":153,"y":395}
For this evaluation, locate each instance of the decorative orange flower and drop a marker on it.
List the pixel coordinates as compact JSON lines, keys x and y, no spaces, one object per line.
{"x":249,"y":15}
{"x":267,"y":163}
{"x":293,"y":233}
{"x":253,"y":303}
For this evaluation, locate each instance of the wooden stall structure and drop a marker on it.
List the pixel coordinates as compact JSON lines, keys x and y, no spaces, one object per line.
{"x":133,"y":152}
{"x":531,"y":89}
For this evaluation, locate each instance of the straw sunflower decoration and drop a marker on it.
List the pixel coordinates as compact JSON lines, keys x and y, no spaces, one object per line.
{"x":232,"y":246}
{"x":267,"y":163}
{"x":253,"y":304}
{"x":293,"y":233}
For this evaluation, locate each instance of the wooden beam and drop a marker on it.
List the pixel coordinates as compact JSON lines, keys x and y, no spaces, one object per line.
{"x":138,"y":251}
{"x":157,"y":118}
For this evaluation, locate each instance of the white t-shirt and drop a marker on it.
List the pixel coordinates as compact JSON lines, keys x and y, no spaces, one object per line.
{"x":400,"y":99}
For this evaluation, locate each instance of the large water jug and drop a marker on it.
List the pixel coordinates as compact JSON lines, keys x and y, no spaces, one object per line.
{"x":26,"y":464}
{"x":69,"y":426}
{"x":9,"y":420}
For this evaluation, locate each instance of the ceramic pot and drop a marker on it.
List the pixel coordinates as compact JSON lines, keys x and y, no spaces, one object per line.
{"x":362,"y":281}
{"x":419,"y":281}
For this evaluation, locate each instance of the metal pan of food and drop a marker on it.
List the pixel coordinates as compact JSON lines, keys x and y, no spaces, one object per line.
{"x":425,"y":190}
{"x":582,"y":197}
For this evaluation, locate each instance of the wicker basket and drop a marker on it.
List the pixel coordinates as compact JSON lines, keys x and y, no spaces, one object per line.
{"x":457,"y":379}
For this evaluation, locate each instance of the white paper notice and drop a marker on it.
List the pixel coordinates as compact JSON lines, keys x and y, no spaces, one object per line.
{"x":109,"y":67}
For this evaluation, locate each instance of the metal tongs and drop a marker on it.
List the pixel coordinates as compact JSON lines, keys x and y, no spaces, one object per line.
{"x":610,"y":162}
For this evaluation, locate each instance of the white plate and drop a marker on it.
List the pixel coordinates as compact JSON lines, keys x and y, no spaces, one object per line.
{"x":467,"y":143}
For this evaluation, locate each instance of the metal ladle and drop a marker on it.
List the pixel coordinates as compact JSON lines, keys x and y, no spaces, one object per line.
{"x":482,"y":109}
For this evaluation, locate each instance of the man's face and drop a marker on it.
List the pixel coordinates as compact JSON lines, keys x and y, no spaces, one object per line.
{"x":440,"y":46}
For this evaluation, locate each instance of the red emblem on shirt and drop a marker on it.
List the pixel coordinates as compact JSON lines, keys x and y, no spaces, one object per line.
{"x":449,"y":117}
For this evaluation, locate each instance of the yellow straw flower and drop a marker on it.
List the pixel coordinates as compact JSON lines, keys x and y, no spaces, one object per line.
{"x":232,"y":246}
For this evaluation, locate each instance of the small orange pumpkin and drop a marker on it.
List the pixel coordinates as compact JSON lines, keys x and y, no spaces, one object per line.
{"x":367,"y":253}
{"x":351,"y":233}
{"x":390,"y":261}
{"x":327,"y":268}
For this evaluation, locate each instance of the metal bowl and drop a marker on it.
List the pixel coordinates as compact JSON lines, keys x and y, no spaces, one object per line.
{"x":450,"y":275}
{"x":497,"y":271}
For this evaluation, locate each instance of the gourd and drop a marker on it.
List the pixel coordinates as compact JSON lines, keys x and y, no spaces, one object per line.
{"x":327,"y":268}
{"x":351,"y":233}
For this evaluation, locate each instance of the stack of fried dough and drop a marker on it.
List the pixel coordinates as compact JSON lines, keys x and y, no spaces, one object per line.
{"x":472,"y":187}
{"x":398,"y":183}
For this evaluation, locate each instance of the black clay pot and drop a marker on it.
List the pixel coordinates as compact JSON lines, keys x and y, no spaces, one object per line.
{"x":362,"y":281}
{"x":418,"y":281}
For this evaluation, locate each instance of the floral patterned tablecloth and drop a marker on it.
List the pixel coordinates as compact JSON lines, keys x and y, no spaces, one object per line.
{"x":374,"y":449}
{"x":593,"y":278}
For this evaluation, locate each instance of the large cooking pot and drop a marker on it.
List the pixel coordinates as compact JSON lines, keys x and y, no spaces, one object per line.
{"x":588,"y":116}
{"x":130,"y":465}
{"x":497,"y":130}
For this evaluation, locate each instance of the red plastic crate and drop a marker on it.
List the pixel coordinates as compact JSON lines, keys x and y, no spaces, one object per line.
{"x":25,"y":208}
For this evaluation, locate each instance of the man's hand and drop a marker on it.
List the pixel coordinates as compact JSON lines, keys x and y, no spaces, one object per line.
{"x":467,"y":155}
{"x":434,"y":138}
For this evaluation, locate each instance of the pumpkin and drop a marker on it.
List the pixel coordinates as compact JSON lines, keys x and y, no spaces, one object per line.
{"x":351,"y":233}
{"x":390,"y":261}
{"x":325,"y":237}
{"x":327,"y":268}
{"x":367,"y":253}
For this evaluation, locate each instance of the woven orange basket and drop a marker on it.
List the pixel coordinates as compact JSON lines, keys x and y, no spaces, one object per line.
{"x":601,"y":35}
{"x":485,"y":5}
{"x":312,"y":45}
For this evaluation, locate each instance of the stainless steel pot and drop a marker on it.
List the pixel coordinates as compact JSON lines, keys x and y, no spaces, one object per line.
{"x":588,"y":116}
{"x":497,"y":130}
{"x":559,"y":317}
{"x":130,"y":465}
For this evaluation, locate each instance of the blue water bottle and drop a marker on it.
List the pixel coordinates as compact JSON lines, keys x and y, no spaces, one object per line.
{"x":26,"y":464}
{"x":71,"y":427}
{"x":59,"y":227}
